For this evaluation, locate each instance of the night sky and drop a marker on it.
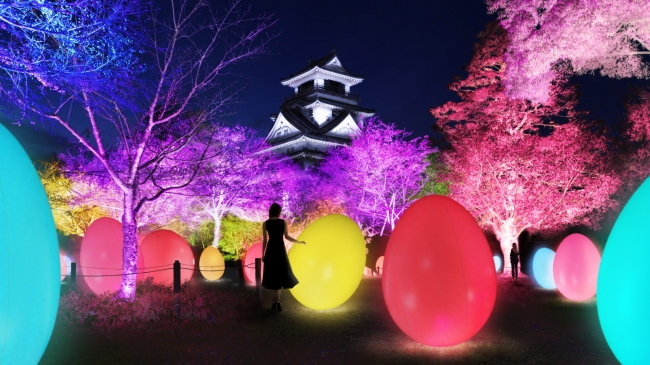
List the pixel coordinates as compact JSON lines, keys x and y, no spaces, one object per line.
{"x":408,"y":53}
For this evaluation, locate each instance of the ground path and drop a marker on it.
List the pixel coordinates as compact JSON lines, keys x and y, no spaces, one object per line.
{"x":527,"y":326}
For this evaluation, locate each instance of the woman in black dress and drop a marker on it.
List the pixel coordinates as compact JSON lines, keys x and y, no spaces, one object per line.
{"x":277,"y":269}
{"x":514,"y":261}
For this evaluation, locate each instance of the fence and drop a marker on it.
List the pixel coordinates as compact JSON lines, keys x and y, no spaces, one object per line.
{"x":176,"y":268}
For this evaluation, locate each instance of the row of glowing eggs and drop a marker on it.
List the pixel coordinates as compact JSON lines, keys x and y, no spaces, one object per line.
{"x":100,"y":256}
{"x":573,"y":269}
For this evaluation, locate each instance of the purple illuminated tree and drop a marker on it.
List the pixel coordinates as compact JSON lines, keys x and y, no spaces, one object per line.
{"x":609,"y":36}
{"x":155,"y":108}
{"x":516,"y":164}
{"x":237,"y":178}
{"x":378,"y":176}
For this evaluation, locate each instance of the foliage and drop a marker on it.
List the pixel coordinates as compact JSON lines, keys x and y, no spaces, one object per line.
{"x":636,"y":142}
{"x":378,"y":176}
{"x":237,"y":235}
{"x":605,"y":35}
{"x":237,"y":179}
{"x":151,"y":310}
{"x":435,"y":171}
{"x":69,"y":218}
{"x":203,"y":234}
{"x":517,"y":164}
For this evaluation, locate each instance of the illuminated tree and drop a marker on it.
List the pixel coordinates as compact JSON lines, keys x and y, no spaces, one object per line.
{"x":378,"y":176}
{"x":636,"y":145}
{"x":155,"y":108}
{"x":517,"y":164}
{"x":68,"y":218}
{"x":609,"y":36}
{"x":237,"y":179}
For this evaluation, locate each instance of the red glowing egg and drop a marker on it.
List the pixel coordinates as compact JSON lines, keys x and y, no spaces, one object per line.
{"x":160,"y":249}
{"x":255,"y":252}
{"x":575,"y":268}
{"x":100,"y":257}
{"x":64,"y":269}
{"x":439,"y":280}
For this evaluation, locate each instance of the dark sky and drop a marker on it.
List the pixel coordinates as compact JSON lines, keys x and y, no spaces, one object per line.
{"x":408,"y":52}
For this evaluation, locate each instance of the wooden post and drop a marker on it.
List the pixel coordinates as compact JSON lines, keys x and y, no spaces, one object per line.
{"x":258,"y":278}
{"x":73,"y":274}
{"x":242,"y":280}
{"x":177,"y":288}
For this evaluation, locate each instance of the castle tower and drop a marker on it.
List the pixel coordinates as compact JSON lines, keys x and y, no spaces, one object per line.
{"x":321,"y":114}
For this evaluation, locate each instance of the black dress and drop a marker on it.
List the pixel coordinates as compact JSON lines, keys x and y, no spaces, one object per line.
{"x":277,"y":269}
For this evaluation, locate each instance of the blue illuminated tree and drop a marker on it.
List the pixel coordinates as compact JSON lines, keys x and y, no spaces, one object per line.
{"x":147,"y":82}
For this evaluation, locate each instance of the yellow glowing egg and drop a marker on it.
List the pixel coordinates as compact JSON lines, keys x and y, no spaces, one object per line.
{"x":330,"y":266}
{"x":211,"y":263}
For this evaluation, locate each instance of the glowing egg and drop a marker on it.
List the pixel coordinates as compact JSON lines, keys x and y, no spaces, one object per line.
{"x":575,"y":267}
{"x":379,"y":266}
{"x":255,"y":252}
{"x":68,"y":265}
{"x":29,"y":289}
{"x":64,"y":270}
{"x":623,"y":290}
{"x":330,"y":266}
{"x":497,"y":262}
{"x":543,"y":268}
{"x":439,"y":281}
{"x":211,"y":263}
{"x":100,"y":256}
{"x":160,"y":249}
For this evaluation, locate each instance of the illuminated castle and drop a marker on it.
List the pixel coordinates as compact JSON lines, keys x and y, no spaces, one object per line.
{"x":321,"y":114}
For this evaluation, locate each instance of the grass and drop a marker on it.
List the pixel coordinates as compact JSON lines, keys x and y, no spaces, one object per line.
{"x":527,"y":326}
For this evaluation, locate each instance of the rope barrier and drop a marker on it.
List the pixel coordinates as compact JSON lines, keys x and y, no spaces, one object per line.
{"x":136,"y":273}
{"x":107,"y":268}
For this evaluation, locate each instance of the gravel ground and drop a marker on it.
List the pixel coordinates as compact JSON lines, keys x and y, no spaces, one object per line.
{"x":527,"y":326}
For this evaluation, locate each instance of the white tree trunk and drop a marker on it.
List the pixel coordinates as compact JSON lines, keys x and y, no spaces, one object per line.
{"x":217,"y":231}
{"x":129,"y":249}
{"x":507,"y":235}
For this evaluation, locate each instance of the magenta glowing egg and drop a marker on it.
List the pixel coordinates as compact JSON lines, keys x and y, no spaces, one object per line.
{"x":100,"y":257}
{"x":575,"y":267}
{"x":255,"y":252}
{"x":160,"y":249}
{"x":439,"y":280}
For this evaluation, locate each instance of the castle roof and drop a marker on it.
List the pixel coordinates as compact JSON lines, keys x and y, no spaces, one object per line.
{"x":327,"y":64}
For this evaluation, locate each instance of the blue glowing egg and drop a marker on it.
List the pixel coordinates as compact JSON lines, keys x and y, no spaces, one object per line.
{"x":623,"y":291}
{"x":29,"y":258}
{"x":497,"y":262}
{"x":543,"y":268}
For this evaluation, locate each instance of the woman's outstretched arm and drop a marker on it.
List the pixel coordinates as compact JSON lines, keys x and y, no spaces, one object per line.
{"x":286,"y":235}
{"x":264,"y":240}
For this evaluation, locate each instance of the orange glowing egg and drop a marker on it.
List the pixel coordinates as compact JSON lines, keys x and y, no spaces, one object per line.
{"x":160,"y":249}
{"x":100,"y":257}
{"x":211,"y":263}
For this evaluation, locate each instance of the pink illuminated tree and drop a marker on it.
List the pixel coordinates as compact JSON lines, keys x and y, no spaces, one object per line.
{"x":378,"y":176}
{"x":180,"y":80}
{"x":516,"y":164}
{"x":237,"y":178}
{"x":609,"y":36}
{"x":635,"y":164}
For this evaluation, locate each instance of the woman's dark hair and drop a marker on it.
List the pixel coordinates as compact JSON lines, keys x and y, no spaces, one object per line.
{"x":275,"y":210}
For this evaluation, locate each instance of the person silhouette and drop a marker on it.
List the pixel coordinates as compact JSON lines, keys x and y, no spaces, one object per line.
{"x":514,"y":261}
{"x":277,"y":269}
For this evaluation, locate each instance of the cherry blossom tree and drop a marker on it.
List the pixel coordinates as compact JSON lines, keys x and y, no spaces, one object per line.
{"x":237,"y":178}
{"x":378,"y":176}
{"x":635,"y":146}
{"x":516,"y":164}
{"x":156,"y":111}
{"x":609,"y":36}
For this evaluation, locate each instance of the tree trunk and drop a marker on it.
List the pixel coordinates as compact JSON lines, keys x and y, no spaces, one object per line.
{"x":217,"y":231}
{"x":129,"y":249}
{"x":507,"y":235}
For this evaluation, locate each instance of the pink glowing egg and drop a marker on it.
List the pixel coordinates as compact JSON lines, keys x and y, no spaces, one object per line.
{"x":575,"y":268}
{"x":64,"y":269}
{"x":160,"y":249}
{"x":255,"y":252}
{"x":379,"y":266}
{"x":100,"y":257}
{"x":439,"y":281}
